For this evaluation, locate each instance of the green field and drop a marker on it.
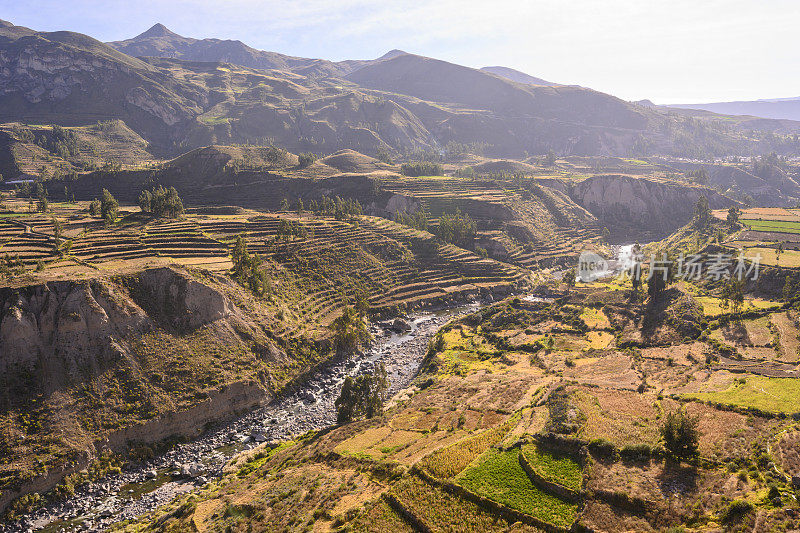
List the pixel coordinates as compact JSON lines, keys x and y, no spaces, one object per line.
{"x":773,"y":395}
{"x":780,"y":226}
{"x":500,"y":477}
{"x":554,"y":468}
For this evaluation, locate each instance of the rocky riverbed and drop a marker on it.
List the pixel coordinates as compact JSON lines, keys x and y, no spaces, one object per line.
{"x":399,"y":345}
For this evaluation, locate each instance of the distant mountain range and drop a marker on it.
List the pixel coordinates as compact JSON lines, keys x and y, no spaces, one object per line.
{"x":777,"y":108}
{"x":180,"y":93}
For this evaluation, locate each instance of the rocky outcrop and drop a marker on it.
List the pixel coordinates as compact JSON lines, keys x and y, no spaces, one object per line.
{"x":178,"y":300}
{"x":631,"y":205}
{"x":60,"y":330}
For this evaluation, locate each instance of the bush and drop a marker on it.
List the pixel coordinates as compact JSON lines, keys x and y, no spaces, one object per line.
{"x":636,"y":452}
{"x":602,"y":447}
{"x":735,"y":511}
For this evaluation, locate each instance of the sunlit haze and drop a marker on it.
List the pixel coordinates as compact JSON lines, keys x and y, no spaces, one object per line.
{"x":669,"y":52}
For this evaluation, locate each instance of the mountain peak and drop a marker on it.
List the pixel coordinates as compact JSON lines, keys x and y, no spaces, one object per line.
{"x":157,"y":30}
{"x":391,"y":54}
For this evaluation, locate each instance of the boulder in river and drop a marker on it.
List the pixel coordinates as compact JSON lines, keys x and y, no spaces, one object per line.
{"x":400,"y":325}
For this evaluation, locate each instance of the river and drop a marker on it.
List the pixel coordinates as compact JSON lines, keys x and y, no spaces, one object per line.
{"x":188,"y":466}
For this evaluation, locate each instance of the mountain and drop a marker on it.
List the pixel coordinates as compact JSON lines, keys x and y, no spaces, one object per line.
{"x":159,"y":41}
{"x":402,"y":102}
{"x":517,"y":76}
{"x":778,"y":108}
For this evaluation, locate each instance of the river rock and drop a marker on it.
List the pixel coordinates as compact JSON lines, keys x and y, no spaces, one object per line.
{"x":401,"y":325}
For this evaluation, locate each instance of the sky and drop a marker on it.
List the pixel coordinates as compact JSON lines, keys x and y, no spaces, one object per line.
{"x":676,"y":51}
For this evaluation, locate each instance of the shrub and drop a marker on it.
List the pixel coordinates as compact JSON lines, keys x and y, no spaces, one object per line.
{"x":735,"y":511}
{"x":636,"y":452}
{"x":602,"y":447}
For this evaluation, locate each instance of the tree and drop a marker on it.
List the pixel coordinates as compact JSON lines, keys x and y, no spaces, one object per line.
{"x":57,"y":231}
{"x":778,"y":252}
{"x":550,"y":158}
{"x":457,"y":228}
{"x":733,"y":294}
{"x":42,"y":205}
{"x":362,"y":396}
{"x":306,"y":159}
{"x":300,"y":207}
{"x":421,"y":168}
{"x":247,"y":268}
{"x":145,"y":201}
{"x":284,"y":205}
{"x":94,"y":208}
{"x":680,"y":435}
{"x":349,"y":330}
{"x":734,"y":213}
{"x":109,"y":207}
{"x":161,"y":202}
{"x":659,"y":277}
{"x":702,"y":212}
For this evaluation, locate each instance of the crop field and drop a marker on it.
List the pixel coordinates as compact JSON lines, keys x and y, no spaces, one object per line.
{"x":452,"y":460}
{"x":559,"y":469}
{"x":442,"y":511}
{"x":771,"y":395}
{"x":499,"y":476}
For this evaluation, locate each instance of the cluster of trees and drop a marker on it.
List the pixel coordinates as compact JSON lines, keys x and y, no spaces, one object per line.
{"x":161,"y":202}
{"x":247,"y":268}
{"x":699,"y":176}
{"x":457,"y":228}
{"x":291,"y":228}
{"x":106,"y":208}
{"x":418,"y":220}
{"x":421,"y":168}
{"x":362,"y":396}
{"x":11,"y":266}
{"x":339,"y":208}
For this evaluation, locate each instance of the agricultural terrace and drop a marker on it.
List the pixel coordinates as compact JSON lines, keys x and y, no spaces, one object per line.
{"x":519,"y":417}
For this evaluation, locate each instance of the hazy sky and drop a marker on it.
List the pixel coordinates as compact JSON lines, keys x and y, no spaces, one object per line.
{"x":669,"y":51}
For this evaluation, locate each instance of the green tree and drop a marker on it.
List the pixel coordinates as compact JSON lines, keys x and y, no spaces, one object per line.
{"x":94,"y":208}
{"x":42,"y":204}
{"x":247,"y":268}
{"x":457,"y":228}
{"x":778,"y":252}
{"x":349,"y":330}
{"x":145,"y":201}
{"x":734,"y":213}
{"x":306,"y":159}
{"x":362,"y":396}
{"x":702,"y":212}
{"x":680,"y":435}
{"x":109,"y":207}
